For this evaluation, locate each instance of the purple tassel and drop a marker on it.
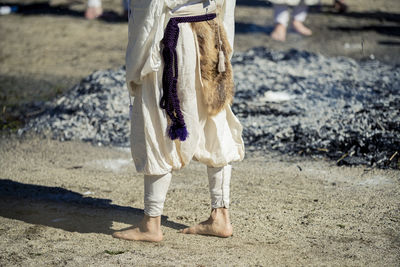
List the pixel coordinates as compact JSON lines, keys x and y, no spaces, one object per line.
{"x":176,"y":132}
{"x":169,"y":100}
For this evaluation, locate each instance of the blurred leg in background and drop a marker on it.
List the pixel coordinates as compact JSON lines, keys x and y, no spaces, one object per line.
{"x":94,"y":9}
{"x":281,"y":20}
{"x":282,"y":17}
{"x":125,"y":4}
{"x":340,"y":6}
{"x":299,"y":16}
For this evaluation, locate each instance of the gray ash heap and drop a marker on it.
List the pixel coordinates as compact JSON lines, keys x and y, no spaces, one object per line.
{"x":95,"y":110}
{"x":295,"y":102}
{"x":303,"y":103}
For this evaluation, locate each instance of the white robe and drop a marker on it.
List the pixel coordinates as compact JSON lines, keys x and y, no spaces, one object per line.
{"x":214,"y":141}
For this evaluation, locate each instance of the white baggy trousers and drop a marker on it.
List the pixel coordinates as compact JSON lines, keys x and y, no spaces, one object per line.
{"x":156,"y":188}
{"x":282,"y":16}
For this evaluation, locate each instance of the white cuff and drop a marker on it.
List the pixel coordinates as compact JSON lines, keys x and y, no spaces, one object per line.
{"x":300,"y":13}
{"x":219,"y":182}
{"x":155,"y":192}
{"x":281,"y":14}
{"x":94,"y":3}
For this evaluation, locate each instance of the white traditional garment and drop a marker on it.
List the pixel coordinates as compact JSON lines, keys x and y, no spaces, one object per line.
{"x":295,"y":2}
{"x":213,"y":140}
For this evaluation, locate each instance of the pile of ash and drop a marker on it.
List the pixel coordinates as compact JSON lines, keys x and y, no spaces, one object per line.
{"x":304,"y":103}
{"x":95,"y":110}
{"x":295,"y":102}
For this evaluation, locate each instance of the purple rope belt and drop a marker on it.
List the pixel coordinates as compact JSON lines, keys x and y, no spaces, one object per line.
{"x":169,"y":100}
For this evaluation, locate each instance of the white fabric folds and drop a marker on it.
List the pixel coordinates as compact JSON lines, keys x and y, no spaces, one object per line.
{"x":156,"y":189}
{"x":213,"y":140}
{"x":219,"y":182}
{"x":146,"y":28}
{"x":155,"y":192}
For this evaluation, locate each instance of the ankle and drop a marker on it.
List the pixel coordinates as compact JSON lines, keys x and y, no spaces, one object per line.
{"x":280,"y":26}
{"x":297,"y":22}
{"x":221,"y":222}
{"x":150,"y":224}
{"x":220,"y":213}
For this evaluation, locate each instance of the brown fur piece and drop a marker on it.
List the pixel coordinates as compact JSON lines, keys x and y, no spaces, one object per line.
{"x":218,"y":88}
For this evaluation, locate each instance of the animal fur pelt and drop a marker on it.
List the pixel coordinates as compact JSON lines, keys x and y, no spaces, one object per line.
{"x":218,"y":87}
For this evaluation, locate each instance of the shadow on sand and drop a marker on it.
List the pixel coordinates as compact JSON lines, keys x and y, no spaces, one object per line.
{"x":44,"y":8}
{"x":253,"y":3}
{"x":250,"y":28}
{"x":370,"y":15}
{"x":64,"y":209}
{"x":387,"y":30}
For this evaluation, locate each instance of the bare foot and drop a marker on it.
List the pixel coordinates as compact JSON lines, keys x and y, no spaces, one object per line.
{"x":148,"y":230}
{"x":218,"y":224}
{"x":93,"y":12}
{"x":279,"y":33}
{"x":301,"y":28}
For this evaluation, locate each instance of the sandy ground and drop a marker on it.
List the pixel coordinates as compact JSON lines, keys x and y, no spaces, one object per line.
{"x":59,"y":202}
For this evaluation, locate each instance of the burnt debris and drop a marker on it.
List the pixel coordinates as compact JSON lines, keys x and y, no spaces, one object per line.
{"x":294,"y":101}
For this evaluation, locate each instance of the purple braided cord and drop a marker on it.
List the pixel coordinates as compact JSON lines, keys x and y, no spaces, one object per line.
{"x":169,"y":100}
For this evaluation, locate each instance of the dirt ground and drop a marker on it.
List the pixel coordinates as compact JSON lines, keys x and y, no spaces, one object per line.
{"x":59,"y":202}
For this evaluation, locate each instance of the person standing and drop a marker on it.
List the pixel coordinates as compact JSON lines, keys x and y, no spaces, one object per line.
{"x":179,"y":74}
{"x":282,"y":17}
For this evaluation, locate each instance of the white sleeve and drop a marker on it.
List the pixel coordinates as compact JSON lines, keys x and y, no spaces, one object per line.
{"x":146,"y":24}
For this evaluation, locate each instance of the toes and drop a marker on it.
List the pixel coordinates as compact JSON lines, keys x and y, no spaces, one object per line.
{"x":203,"y":230}
{"x":121,"y":235}
{"x":117,"y":235}
{"x":127,"y":235}
{"x":134,"y":235}
{"x":189,"y":230}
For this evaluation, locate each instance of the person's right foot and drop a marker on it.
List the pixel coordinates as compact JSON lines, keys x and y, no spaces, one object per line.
{"x":93,"y":12}
{"x":218,"y":224}
{"x":301,"y":28}
{"x":279,"y":33}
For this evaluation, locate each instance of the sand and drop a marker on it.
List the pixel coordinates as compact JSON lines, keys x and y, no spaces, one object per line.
{"x":59,"y":202}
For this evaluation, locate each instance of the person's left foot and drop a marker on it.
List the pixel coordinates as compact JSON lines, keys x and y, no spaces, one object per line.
{"x":218,"y":224}
{"x":279,"y":33}
{"x":149,"y":230}
{"x":301,"y":28}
